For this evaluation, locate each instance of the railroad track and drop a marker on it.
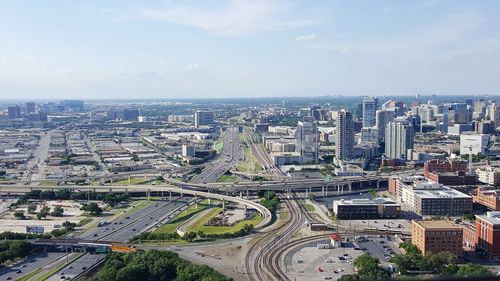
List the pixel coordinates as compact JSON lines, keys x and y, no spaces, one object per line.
{"x":263,"y":266}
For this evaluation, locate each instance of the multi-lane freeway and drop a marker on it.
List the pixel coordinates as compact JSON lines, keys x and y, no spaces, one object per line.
{"x":231,"y":156}
{"x":122,"y":229}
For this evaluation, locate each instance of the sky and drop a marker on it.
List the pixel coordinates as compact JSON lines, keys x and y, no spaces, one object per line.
{"x":98,"y":49}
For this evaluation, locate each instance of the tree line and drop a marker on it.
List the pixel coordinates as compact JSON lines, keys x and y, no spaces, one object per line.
{"x":153,"y":265}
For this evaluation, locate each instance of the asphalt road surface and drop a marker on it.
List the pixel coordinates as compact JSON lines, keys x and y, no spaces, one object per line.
{"x":231,"y":156}
{"x":32,"y":263}
{"x":122,"y":230}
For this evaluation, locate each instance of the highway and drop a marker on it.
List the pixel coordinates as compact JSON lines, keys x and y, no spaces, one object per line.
{"x":121,"y":230}
{"x":231,"y":156}
{"x":31,"y":264}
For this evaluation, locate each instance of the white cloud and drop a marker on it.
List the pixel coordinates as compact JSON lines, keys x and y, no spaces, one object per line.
{"x":195,"y":67}
{"x":308,"y":37}
{"x":234,"y":17}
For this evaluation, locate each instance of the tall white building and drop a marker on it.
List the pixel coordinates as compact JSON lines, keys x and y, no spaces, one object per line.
{"x":473,"y":143}
{"x":344,"y":139}
{"x":307,"y":140}
{"x":369,"y":108}
{"x":398,"y":138}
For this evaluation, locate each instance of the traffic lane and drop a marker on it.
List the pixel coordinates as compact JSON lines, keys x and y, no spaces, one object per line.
{"x":117,"y":224}
{"x":31,"y":264}
{"x":79,"y":266}
{"x":147,"y":222}
{"x":88,"y":260}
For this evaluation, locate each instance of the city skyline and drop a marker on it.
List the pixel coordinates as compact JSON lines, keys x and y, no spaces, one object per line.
{"x":248,"y":49}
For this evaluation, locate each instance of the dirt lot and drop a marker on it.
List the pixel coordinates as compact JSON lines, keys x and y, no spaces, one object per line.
{"x":71,"y":208}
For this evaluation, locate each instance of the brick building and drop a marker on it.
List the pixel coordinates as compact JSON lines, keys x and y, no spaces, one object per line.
{"x":437,"y":236}
{"x":448,"y":172}
{"x":488,"y":198}
{"x":488,"y":234}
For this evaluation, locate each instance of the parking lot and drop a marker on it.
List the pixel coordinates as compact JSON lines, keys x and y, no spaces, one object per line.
{"x":310,"y":263}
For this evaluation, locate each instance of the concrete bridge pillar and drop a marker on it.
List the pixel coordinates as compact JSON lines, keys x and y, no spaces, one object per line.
{"x":196,"y":201}
{"x":326,"y":189}
{"x":129,"y":179}
{"x":350,"y":186}
{"x":307,"y":192}
{"x":323,"y":190}
{"x":148,"y":193}
{"x":241,"y":194}
{"x":223,"y":205}
{"x":378,"y":184}
{"x":110,"y":190}
{"x":170,"y":196}
{"x":248,"y":195}
{"x":209,"y":201}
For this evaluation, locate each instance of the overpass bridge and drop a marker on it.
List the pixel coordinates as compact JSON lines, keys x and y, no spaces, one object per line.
{"x":148,"y":189}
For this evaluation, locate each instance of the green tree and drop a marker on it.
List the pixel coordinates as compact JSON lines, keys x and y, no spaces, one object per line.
{"x":19,"y":215}
{"x":91,"y":208}
{"x":57,"y":212}
{"x":31,"y":208}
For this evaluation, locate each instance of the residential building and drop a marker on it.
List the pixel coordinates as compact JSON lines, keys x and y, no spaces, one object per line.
{"x":383,"y":117}
{"x":429,"y":198}
{"x":369,"y":134}
{"x":345,"y":135}
{"x":474,"y":143}
{"x":488,"y":234}
{"x":370,"y":105}
{"x":398,"y":139}
{"x":489,"y":175}
{"x":448,"y":172}
{"x":437,"y":236}
{"x":366,"y":208}
{"x":488,"y":198}
{"x":203,"y":118}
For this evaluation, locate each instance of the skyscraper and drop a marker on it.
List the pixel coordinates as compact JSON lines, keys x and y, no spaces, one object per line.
{"x":30,"y":107}
{"x":383,"y":117}
{"x":398,"y":138}
{"x":344,"y":140}
{"x":14,"y":112}
{"x":369,"y":107}
{"x":203,"y":118}
{"x":307,"y":140}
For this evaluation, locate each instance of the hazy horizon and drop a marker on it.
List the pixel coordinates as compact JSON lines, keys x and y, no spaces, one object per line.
{"x":238,"y":48}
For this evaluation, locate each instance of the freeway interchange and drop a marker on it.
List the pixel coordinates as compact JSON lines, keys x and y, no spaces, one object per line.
{"x":262,"y":261}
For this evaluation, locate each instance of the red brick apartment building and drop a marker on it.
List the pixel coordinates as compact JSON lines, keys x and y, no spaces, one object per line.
{"x":448,"y":172}
{"x":488,"y":234}
{"x":488,"y":198}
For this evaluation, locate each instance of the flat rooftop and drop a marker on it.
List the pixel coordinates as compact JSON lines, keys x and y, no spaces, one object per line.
{"x":440,"y":193}
{"x":374,"y":201}
{"x":437,"y":225}
{"x":491,"y":217}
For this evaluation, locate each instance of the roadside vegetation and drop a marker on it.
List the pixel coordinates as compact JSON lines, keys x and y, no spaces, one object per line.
{"x":270,"y":200}
{"x":12,"y":250}
{"x":153,"y":265}
{"x":444,"y":263}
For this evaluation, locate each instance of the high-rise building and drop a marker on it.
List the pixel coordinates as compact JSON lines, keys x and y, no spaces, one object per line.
{"x":14,"y":112}
{"x":383,"y":117}
{"x":306,"y":136}
{"x":30,"y":107}
{"x":369,"y":108}
{"x":203,"y":118}
{"x":344,"y":140}
{"x":130,"y":114}
{"x":398,"y":139}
